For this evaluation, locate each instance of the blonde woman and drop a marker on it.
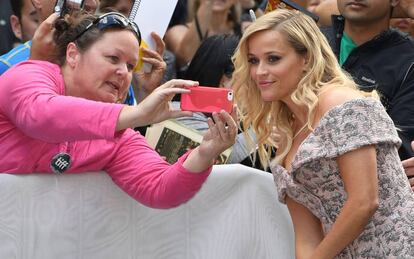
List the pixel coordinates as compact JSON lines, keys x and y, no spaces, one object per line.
{"x":337,"y":166}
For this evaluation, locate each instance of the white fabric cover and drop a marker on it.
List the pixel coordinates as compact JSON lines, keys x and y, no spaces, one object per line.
{"x":235,"y":215}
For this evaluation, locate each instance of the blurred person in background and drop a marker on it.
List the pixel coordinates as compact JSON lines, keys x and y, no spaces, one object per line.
{"x":7,"y":38}
{"x":24,"y":20}
{"x":324,"y":9}
{"x":378,"y":58}
{"x":405,"y":25}
{"x":44,"y":8}
{"x":403,"y":9}
{"x":121,"y":6}
{"x":206,"y":18}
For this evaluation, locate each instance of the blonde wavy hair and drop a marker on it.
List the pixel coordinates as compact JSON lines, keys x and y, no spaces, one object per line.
{"x":265,"y":118}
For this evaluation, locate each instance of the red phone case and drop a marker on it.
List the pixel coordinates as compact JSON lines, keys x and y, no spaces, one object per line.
{"x":207,"y":99}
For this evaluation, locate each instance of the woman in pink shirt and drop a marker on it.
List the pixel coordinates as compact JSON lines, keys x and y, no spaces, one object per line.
{"x":66,"y":117}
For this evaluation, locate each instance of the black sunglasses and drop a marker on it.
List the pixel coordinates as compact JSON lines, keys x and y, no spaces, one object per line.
{"x":112,"y":20}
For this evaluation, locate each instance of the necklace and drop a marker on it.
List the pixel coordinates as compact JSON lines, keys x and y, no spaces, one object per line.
{"x":299,"y":131}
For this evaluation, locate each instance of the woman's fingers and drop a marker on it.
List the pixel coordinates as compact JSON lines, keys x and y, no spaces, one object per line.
{"x":408,"y":162}
{"x":213,"y":128}
{"x":226,"y":125}
{"x":409,"y":171}
{"x":43,"y":45}
{"x":220,"y":125}
{"x":158,"y":64}
{"x":159,"y":43}
{"x":178,"y":83}
{"x":230,"y":120}
{"x":411,"y":180}
{"x":231,"y":124}
{"x":48,"y":24}
{"x":234,"y":114}
{"x":149,"y":53}
{"x":170,"y":92}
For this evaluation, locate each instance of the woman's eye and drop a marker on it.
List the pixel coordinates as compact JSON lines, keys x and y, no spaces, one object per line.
{"x":113,"y":59}
{"x":252,"y":61}
{"x":273,"y":58}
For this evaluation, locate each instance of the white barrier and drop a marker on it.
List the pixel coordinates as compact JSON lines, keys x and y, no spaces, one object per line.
{"x":235,"y":215}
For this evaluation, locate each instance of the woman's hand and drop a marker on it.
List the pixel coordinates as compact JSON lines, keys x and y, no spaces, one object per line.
{"x":153,"y":79}
{"x":156,"y":107}
{"x":220,"y":136}
{"x":408,"y":165}
{"x":43,"y":45}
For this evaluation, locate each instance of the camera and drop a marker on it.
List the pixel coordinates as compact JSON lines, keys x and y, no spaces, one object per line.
{"x":63,"y":7}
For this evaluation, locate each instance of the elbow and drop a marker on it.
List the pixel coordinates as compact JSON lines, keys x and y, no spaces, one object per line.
{"x":164,"y":204}
{"x":373,"y":206}
{"x":367,"y":207}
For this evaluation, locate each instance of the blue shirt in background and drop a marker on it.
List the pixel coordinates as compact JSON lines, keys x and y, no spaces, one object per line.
{"x":14,"y":56}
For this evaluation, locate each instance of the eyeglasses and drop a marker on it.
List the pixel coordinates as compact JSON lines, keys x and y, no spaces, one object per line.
{"x":112,"y":20}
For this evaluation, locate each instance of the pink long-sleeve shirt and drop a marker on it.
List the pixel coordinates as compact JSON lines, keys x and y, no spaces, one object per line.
{"x":37,"y":121}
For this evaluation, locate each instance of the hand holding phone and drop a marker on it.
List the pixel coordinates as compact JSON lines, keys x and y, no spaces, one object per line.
{"x":207,"y":99}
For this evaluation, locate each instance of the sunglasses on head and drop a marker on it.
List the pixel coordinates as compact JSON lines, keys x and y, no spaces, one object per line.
{"x":112,"y":20}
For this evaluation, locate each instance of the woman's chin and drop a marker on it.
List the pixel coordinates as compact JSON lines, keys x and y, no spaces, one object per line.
{"x":267,"y":98}
{"x":109,"y":98}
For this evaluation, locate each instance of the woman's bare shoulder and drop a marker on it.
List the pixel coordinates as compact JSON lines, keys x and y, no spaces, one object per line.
{"x":330,"y":97}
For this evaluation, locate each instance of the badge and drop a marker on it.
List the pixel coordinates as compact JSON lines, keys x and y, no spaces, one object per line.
{"x":60,"y":163}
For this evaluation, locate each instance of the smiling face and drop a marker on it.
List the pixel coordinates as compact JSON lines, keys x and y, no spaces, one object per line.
{"x":104,"y":71}
{"x":274,"y":65}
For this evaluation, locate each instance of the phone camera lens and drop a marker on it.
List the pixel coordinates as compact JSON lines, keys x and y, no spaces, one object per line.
{"x":230,"y":96}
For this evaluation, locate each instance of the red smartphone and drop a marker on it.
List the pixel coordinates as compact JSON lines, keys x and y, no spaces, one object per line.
{"x":207,"y":99}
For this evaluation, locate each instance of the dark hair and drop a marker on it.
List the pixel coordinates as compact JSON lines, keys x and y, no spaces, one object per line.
{"x":68,"y":27}
{"x":85,"y":29}
{"x":17,"y":6}
{"x":212,"y":60}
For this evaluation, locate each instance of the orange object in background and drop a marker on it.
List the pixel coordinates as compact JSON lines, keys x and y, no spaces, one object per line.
{"x":291,"y":5}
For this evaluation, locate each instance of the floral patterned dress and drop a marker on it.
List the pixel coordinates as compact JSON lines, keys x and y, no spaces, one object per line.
{"x":315,"y":182}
